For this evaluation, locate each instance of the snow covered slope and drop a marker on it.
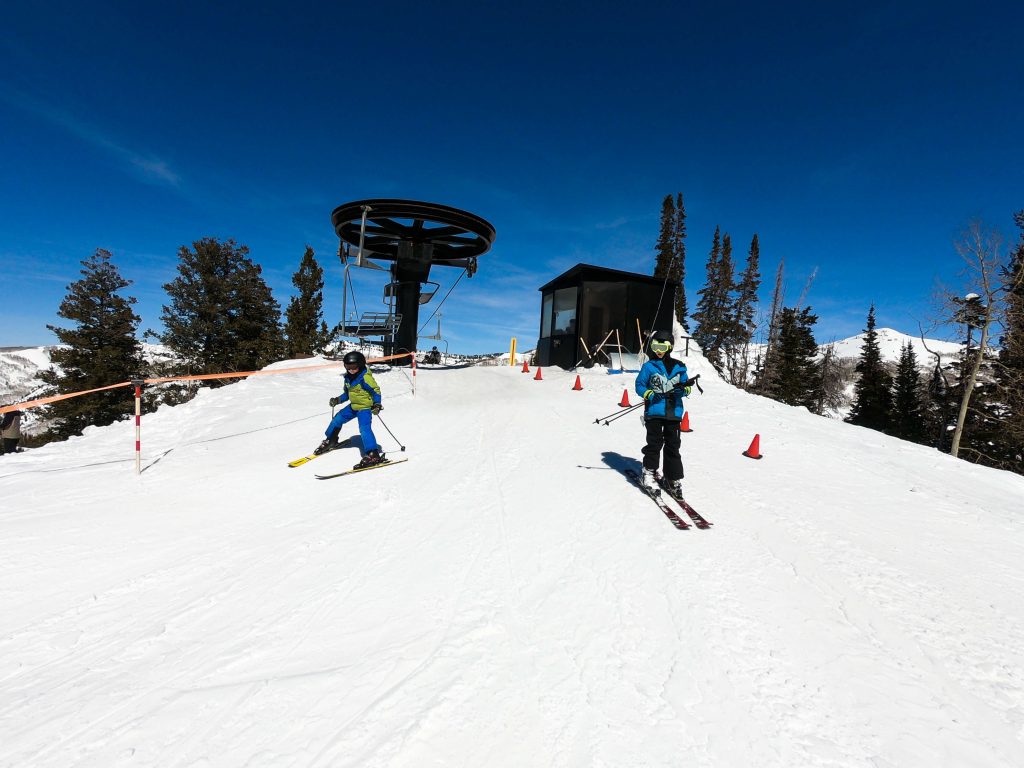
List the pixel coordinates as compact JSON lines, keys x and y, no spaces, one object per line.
{"x":505,"y":598}
{"x":19,"y":371}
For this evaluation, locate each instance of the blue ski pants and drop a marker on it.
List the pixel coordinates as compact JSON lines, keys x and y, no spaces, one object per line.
{"x":365,"y":417}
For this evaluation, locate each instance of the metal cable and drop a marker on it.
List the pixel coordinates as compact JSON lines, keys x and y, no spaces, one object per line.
{"x":442,"y":302}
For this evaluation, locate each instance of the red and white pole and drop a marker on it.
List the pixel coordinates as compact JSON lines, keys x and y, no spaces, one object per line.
{"x":138,"y":425}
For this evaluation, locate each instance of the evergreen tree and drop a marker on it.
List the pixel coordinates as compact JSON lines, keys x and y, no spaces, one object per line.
{"x":305,"y":327}
{"x":222,"y":316}
{"x":798,"y":373}
{"x":765,"y":375}
{"x":872,"y":394}
{"x":746,"y":294}
{"x":715,"y":311}
{"x":741,"y":329}
{"x":679,"y":247}
{"x":664,"y":249}
{"x":727,"y":275}
{"x":907,"y":406}
{"x":101,"y":349}
{"x":668,"y":256}
{"x":1010,"y":370}
{"x":938,"y":409}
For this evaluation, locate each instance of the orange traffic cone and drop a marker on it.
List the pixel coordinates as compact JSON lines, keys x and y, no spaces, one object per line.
{"x":526,"y":368}
{"x":538,"y":377}
{"x":684,"y":425}
{"x":754,"y":451}
{"x":577,"y":386}
{"x":624,"y":402}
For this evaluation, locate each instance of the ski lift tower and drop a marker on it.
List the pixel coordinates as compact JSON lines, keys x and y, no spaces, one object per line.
{"x":414,"y":236}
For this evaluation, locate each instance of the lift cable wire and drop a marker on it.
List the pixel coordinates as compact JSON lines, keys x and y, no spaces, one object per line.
{"x":442,"y":302}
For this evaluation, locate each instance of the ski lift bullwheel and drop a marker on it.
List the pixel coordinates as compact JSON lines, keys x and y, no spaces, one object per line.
{"x":414,"y":236}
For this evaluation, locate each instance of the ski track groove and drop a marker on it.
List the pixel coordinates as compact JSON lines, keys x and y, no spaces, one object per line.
{"x":910,"y":636}
{"x":328,"y":752}
{"x":332,"y":751}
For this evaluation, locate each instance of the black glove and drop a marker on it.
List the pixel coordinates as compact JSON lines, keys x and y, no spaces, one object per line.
{"x":334,"y":401}
{"x":376,"y":408}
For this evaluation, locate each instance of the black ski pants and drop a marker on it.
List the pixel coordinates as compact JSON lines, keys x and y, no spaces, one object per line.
{"x":663,"y":436}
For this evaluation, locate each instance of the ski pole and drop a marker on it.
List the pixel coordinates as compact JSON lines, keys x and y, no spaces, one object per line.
{"x":617,"y":414}
{"x":390,"y":432}
{"x":624,"y":413}
{"x":602,"y":418}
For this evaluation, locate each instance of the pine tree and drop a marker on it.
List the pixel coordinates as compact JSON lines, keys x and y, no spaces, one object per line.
{"x":798,"y":374}
{"x":305,"y":327}
{"x":665,"y":261}
{"x":1010,"y":371}
{"x":907,"y":406}
{"x":727,"y":275}
{"x":222,"y":316}
{"x":715,"y":311}
{"x":101,"y":350}
{"x":742,"y":327}
{"x":872,"y":397}
{"x":679,"y":248}
{"x":938,"y":409}
{"x":766,"y":373}
{"x":746,"y":293}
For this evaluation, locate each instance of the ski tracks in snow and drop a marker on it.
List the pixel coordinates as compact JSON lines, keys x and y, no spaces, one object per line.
{"x":905,"y":630}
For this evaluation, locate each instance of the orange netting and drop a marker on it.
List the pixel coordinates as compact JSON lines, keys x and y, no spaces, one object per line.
{"x":202,"y":377}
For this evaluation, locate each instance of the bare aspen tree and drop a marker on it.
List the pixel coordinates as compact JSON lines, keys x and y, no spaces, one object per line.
{"x":981,"y":248}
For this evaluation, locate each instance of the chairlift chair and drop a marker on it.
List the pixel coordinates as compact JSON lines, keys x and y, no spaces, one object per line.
{"x":426,"y":294}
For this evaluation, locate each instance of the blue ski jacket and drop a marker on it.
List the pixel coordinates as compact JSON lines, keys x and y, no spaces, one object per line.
{"x":658,"y":383}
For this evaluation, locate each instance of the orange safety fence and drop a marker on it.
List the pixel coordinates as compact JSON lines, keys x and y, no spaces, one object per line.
{"x":201,"y":377}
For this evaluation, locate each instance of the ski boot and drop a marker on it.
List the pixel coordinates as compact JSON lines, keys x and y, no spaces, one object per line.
{"x":328,"y":444}
{"x":371,"y":459}
{"x":649,"y":480}
{"x":674,"y":488}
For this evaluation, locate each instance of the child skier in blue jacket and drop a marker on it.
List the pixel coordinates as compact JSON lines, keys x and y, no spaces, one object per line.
{"x":363,"y":395}
{"x":660,"y":384}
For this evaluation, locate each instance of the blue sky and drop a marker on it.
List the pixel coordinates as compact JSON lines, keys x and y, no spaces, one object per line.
{"x":855,"y":138}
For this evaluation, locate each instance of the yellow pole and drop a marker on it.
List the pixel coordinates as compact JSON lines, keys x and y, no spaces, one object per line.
{"x":512,"y":352}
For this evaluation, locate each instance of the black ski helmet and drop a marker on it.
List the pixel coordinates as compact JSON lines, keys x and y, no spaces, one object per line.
{"x":355,"y":357}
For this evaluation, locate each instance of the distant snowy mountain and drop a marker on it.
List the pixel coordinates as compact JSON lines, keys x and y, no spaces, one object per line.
{"x":891,"y":343}
{"x":19,"y":375}
{"x":19,"y":371}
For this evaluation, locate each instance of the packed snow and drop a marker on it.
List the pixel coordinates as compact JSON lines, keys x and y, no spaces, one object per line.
{"x":505,"y":597}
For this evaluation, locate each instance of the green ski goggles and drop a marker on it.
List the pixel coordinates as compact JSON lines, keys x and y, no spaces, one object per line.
{"x":661,"y":347}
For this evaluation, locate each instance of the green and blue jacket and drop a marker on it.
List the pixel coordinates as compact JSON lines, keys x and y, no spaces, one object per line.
{"x":361,"y":391}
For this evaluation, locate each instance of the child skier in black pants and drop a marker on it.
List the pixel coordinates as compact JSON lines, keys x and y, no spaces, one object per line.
{"x":659,"y":384}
